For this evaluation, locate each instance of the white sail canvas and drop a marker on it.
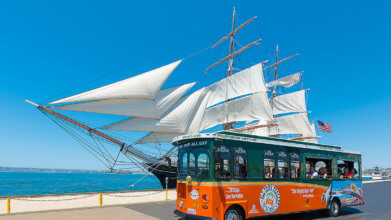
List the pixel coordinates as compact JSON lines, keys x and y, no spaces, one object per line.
{"x":242,"y":83}
{"x":253,"y":107}
{"x":143,"y":86}
{"x":312,"y":134}
{"x":291,"y":102}
{"x":158,"y":137}
{"x":287,"y":81}
{"x":176,"y":120}
{"x":292,"y":124}
{"x":154,"y":108}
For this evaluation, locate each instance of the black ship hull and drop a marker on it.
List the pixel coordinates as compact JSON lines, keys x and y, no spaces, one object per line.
{"x":161,"y":172}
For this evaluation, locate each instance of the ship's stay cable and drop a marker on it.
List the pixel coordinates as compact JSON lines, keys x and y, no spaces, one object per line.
{"x":78,"y":138}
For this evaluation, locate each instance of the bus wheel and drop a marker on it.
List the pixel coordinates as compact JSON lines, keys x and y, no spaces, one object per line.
{"x":233,"y":213}
{"x":335,"y":208}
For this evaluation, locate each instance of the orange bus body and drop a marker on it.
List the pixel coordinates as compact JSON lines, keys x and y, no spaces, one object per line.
{"x":252,"y":197}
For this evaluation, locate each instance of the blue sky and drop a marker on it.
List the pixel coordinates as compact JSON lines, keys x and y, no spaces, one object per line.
{"x":48,"y":47}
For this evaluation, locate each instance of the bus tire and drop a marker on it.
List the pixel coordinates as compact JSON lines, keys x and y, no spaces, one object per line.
{"x":335,"y":208}
{"x":234,"y":213}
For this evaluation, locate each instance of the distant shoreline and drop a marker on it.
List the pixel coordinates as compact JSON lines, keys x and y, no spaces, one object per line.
{"x":47,"y":170}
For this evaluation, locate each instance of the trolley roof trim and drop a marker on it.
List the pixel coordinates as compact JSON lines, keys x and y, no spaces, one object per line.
{"x":264,"y":140}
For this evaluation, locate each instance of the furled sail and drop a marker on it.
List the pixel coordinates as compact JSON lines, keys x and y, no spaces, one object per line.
{"x":151,"y":108}
{"x":175,"y":120}
{"x":143,"y":86}
{"x":287,"y":81}
{"x":252,"y":107}
{"x":242,"y":83}
{"x":292,"y":124}
{"x":291,"y":102}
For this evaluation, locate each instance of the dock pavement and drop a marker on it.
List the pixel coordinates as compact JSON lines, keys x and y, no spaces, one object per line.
{"x":377,"y":196}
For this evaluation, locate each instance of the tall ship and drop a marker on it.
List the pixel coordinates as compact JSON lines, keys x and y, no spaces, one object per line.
{"x":241,"y":102}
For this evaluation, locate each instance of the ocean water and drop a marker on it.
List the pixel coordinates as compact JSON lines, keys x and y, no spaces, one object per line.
{"x":21,"y":183}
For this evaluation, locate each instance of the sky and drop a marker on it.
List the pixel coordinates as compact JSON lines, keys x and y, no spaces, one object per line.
{"x":50,"y":47}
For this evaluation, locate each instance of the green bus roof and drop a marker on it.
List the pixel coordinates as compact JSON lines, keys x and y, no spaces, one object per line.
{"x":265,"y":140}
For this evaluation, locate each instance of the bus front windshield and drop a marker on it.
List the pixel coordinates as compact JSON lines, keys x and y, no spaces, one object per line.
{"x":195,"y":163}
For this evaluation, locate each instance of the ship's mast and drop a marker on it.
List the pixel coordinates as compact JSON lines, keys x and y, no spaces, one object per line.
{"x":230,"y":57}
{"x":275,"y":73}
{"x":231,"y":47}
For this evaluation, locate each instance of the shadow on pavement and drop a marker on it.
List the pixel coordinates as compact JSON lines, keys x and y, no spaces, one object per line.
{"x":345,"y":213}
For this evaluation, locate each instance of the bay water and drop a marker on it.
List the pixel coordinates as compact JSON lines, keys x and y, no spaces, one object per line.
{"x":24,"y":183}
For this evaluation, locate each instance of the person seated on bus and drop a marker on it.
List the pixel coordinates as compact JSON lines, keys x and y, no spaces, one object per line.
{"x":312,"y":173}
{"x":267,"y":173}
{"x":346,"y":174}
{"x":354,"y":173}
{"x":322,"y":173}
{"x":326,"y":173}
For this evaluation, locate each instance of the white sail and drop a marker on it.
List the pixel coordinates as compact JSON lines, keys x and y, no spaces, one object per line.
{"x":158,"y":137}
{"x":291,"y":102}
{"x":287,"y":81}
{"x":175,"y":120}
{"x":143,"y":86}
{"x":244,"y":82}
{"x":312,"y":135}
{"x":154,"y":108}
{"x":193,"y":127}
{"x":292,"y":124}
{"x":252,"y":107}
{"x":263,"y":131}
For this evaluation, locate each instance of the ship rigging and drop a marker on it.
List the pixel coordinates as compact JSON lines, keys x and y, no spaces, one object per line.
{"x":239,"y":98}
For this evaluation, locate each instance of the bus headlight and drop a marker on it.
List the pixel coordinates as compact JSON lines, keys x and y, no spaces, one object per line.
{"x":181,"y":204}
{"x":205,"y":198}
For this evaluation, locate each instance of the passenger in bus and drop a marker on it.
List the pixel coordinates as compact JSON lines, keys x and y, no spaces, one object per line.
{"x":326,"y":173}
{"x":322,"y":173}
{"x":267,"y":173}
{"x":346,"y":174}
{"x":354,"y":173}
{"x":312,"y":173}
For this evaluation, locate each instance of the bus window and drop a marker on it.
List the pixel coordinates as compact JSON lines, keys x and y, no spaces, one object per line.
{"x":201,"y":162}
{"x":348,"y":169}
{"x":240,"y":163}
{"x":222,"y":162}
{"x":318,"y":168}
{"x":268,"y":164}
{"x":182,"y":163}
{"x":282,"y":165}
{"x":356,"y":170}
{"x":192,"y":165}
{"x":295,"y":165}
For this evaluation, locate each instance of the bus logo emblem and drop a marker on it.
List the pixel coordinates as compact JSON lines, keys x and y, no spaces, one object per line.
{"x":194,"y":194}
{"x":269,"y":199}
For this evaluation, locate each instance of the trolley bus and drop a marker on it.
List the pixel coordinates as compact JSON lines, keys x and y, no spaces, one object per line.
{"x":228,"y":175}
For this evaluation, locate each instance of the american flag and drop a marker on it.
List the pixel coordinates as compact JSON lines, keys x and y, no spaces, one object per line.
{"x":324,"y":127}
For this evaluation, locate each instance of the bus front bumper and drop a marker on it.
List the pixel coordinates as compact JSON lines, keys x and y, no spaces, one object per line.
{"x":188,"y":216}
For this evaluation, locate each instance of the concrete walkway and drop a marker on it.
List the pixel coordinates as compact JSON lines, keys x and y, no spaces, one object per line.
{"x":104,"y":213}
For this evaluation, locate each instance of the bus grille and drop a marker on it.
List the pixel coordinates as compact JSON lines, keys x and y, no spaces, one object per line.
{"x":181,"y":190}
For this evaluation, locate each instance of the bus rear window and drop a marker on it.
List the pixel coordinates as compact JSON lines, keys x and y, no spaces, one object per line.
{"x":222,"y":162}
